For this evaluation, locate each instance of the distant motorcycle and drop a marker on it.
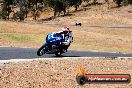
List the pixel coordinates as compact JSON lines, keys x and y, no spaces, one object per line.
{"x":54,"y":45}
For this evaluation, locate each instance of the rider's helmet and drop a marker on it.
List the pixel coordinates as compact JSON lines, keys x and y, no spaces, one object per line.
{"x":65,"y":30}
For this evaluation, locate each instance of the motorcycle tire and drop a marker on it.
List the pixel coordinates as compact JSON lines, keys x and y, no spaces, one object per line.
{"x":41,"y":50}
{"x":58,"y":54}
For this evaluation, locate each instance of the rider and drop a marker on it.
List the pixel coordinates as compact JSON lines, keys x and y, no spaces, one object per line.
{"x":66,"y":36}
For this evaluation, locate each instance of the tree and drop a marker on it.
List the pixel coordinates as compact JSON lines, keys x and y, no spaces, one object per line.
{"x":118,"y":2}
{"x":75,"y":3}
{"x":6,"y":9}
{"x":36,"y":7}
{"x":27,"y":6}
{"x":129,"y":1}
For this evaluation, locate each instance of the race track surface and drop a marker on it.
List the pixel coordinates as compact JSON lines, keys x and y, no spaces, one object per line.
{"x":7,"y":53}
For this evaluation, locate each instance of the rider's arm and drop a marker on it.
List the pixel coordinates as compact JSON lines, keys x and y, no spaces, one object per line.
{"x":68,"y":39}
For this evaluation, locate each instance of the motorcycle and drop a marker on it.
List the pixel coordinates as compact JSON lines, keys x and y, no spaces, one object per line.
{"x":53,"y":45}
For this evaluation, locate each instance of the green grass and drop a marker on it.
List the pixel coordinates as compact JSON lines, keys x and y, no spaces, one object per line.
{"x":17,"y":37}
{"x":2,"y":30}
{"x":27,"y":39}
{"x":36,"y":39}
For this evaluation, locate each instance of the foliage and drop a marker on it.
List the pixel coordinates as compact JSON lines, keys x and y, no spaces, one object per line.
{"x":129,"y":1}
{"x":36,"y":7}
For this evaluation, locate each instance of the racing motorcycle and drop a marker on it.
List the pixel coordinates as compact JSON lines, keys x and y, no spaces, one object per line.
{"x":54,"y":45}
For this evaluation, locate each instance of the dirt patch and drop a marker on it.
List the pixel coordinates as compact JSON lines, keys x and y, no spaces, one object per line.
{"x":61,"y":73}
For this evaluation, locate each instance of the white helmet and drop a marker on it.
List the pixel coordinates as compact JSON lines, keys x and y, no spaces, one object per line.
{"x":65,"y":29}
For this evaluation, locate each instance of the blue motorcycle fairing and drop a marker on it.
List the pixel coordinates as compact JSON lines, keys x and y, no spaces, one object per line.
{"x":53,"y":38}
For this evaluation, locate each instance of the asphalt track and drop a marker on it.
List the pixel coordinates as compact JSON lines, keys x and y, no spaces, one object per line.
{"x":7,"y":53}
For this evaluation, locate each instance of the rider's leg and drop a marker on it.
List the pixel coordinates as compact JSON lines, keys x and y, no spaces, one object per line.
{"x":66,"y":47}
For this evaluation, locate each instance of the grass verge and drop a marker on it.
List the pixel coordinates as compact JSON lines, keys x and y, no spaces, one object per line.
{"x":16,"y":38}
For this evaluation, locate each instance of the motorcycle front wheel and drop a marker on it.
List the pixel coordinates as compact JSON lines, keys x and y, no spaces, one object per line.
{"x":41,"y":50}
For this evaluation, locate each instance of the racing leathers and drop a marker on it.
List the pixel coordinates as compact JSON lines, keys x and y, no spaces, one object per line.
{"x":65,"y":40}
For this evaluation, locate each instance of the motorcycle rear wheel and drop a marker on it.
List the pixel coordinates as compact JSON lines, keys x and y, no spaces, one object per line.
{"x":58,"y":54}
